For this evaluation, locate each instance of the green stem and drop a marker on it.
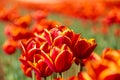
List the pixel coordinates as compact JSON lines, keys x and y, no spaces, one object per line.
{"x":51,"y":77}
{"x":54,"y":75}
{"x":33,"y":75}
{"x":81,"y":66}
{"x":45,"y":78}
{"x":61,"y":75}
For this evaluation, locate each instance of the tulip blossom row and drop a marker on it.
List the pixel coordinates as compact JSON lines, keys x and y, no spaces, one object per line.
{"x":105,"y":12}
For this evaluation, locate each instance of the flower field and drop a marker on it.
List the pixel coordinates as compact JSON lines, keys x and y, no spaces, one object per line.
{"x":68,"y":41}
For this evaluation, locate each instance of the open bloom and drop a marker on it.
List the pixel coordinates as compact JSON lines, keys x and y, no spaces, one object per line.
{"x":33,"y":61}
{"x":60,"y":59}
{"x":56,"y":49}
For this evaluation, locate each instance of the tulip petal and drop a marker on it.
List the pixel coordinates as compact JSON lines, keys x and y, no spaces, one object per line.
{"x":60,"y":40}
{"x":41,"y":65}
{"x":39,"y":37}
{"x":48,"y":60}
{"x":31,"y":44}
{"x":88,"y":51}
{"x":80,"y":47}
{"x":45,"y":47}
{"x":84,"y":48}
{"x":44,"y":69}
{"x":63,"y":60}
{"x":113,"y":77}
{"x":47,"y":35}
{"x":54,"y":52}
{"x":26,"y":70}
{"x":84,"y":76}
{"x":23,"y":46}
{"x":54,"y":32}
{"x":68,"y":33}
{"x":48,"y":71}
{"x":109,"y":74}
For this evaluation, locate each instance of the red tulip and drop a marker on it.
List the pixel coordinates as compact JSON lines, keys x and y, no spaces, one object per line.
{"x":60,"y":59}
{"x":83,"y":48}
{"x":9,"y":46}
{"x":32,"y":58}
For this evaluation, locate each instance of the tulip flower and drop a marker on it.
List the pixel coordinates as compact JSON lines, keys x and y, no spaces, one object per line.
{"x":9,"y":46}
{"x":57,"y":49}
{"x":83,"y":48}
{"x":105,"y":67}
{"x":31,"y":57}
{"x":23,"y":21}
{"x":111,"y":55}
{"x":60,"y":59}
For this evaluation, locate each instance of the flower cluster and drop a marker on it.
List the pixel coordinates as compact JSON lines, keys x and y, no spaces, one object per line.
{"x":105,"y":12}
{"x":54,"y":50}
{"x":46,"y":47}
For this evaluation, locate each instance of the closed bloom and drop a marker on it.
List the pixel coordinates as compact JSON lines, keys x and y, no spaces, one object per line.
{"x":83,"y":48}
{"x":9,"y":47}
